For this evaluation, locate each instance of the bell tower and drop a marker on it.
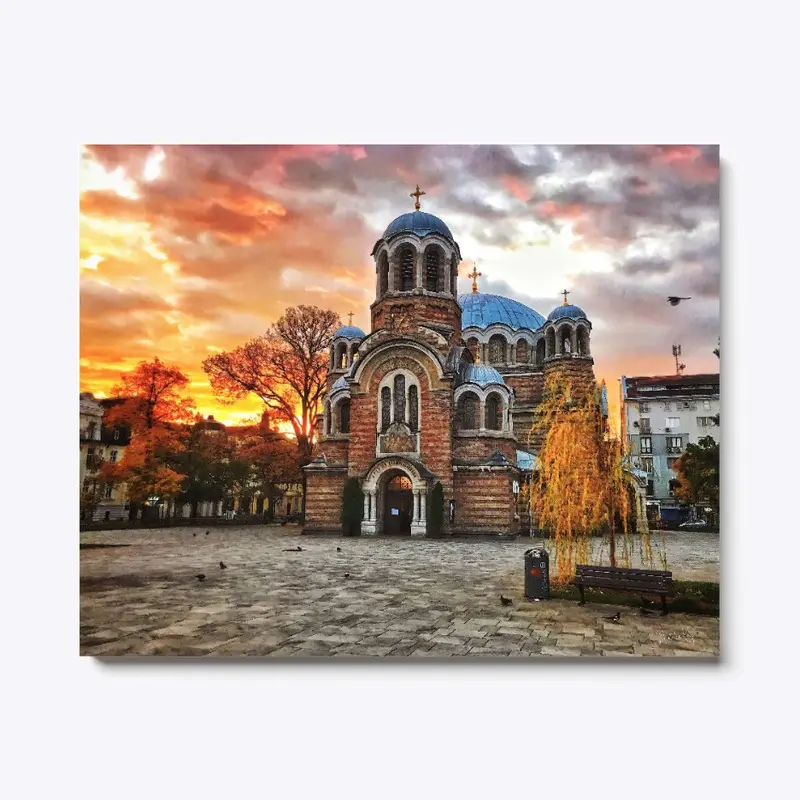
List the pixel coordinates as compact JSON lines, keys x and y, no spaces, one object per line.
{"x":416,"y":273}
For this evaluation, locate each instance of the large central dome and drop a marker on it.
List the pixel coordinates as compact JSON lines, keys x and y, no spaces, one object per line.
{"x":482,"y":310}
{"x":417,"y":222}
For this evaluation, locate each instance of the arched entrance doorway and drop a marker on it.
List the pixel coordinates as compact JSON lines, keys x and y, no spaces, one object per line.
{"x":395,"y":484}
{"x":398,"y":504}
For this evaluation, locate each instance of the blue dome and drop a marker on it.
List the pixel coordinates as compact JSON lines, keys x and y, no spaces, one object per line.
{"x":566,"y":312}
{"x":417,"y":222}
{"x":340,"y":383}
{"x":482,"y":310}
{"x":349,"y":332}
{"x":482,"y":374}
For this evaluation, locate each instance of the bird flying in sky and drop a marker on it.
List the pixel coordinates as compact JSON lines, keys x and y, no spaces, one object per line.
{"x":673,"y":301}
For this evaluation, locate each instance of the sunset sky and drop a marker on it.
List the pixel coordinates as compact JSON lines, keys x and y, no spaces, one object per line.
{"x":189,"y":250}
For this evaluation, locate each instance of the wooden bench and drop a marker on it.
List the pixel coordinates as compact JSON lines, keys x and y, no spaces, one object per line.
{"x":622,"y":579}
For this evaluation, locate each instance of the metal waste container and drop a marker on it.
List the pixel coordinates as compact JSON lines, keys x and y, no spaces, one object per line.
{"x":537,"y":574}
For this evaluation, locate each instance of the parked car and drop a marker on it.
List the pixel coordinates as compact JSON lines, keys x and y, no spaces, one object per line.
{"x":693,"y":524}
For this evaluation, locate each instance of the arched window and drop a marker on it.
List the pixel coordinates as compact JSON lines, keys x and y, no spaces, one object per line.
{"x":413,"y":408}
{"x":399,"y":398}
{"x":433,"y":265}
{"x":383,"y":273}
{"x":551,"y":343}
{"x":405,"y":269}
{"x":522,"y":352}
{"x":344,"y":417}
{"x":473,"y":344}
{"x":386,"y":408}
{"x":494,"y":413}
{"x":341,"y":356}
{"x":497,"y":349}
{"x":565,"y":335}
{"x":540,"y":351}
{"x":467,"y":412}
{"x":583,"y":341}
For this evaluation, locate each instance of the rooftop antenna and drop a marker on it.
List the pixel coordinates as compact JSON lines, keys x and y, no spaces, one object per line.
{"x":676,"y":351}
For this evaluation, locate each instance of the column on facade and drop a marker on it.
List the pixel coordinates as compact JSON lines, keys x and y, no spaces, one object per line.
{"x":423,"y":501}
{"x":482,"y":414}
{"x":366,"y":505}
{"x":415,"y":515}
{"x":373,"y":505}
{"x":558,"y":342}
{"x":510,"y":357}
{"x":574,"y":340}
{"x":419,"y":259}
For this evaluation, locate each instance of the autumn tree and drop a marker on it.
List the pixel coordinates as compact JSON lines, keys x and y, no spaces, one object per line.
{"x":579,"y":487}
{"x":152,"y":405}
{"x":205,"y":465}
{"x":698,"y":473}
{"x":273,"y":461}
{"x":285,"y":368}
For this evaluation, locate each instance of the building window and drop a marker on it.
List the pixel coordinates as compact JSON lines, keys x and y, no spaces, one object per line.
{"x":705,"y":422}
{"x":671,"y":463}
{"x":644,"y":408}
{"x":433,"y":259}
{"x":522,"y":352}
{"x":673,"y":422}
{"x":646,"y":444}
{"x":494,"y":413}
{"x":467,"y":413}
{"x":107,"y":491}
{"x":647,"y":464}
{"x":688,"y":404}
{"x":497,"y":349}
{"x":706,"y":405}
{"x":674,"y":444}
{"x":113,"y":457}
{"x":344,"y":416}
{"x":91,"y":430}
{"x":673,"y":485}
{"x":89,"y":457}
{"x":667,"y":406}
{"x":399,"y":398}
{"x":405,"y":275}
{"x":116,"y":434}
{"x":386,"y":408}
{"x":644,"y":424}
{"x":413,"y":408}
{"x":651,"y":489}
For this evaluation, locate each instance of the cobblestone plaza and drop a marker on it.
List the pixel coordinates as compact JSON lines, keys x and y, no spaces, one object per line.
{"x":380,"y":596}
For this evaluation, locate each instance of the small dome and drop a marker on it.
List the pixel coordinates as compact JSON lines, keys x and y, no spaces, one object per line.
{"x":567,"y":312}
{"x":340,"y":383}
{"x":209,"y":424}
{"x":349,"y":332}
{"x":417,"y":222}
{"x":482,"y":374}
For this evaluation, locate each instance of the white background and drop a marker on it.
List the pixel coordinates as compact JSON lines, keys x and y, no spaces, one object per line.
{"x":341,"y":72}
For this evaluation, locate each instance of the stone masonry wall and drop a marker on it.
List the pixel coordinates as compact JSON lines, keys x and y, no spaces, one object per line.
{"x":480,"y":448}
{"x":324,"y":500}
{"x":484,"y":501}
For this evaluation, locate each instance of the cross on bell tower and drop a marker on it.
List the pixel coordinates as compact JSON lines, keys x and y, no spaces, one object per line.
{"x":475,"y":275}
{"x":417,"y":194}
{"x":350,"y":315}
{"x":565,"y":293}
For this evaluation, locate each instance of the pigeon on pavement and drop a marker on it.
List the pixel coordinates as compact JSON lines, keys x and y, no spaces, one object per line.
{"x":615,"y":618}
{"x":200,"y":577}
{"x":506,"y":601}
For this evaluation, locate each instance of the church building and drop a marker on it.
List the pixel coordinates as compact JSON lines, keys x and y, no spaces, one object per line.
{"x":442,"y":390}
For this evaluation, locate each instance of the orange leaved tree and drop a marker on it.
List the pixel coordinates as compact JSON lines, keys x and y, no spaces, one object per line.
{"x":152,"y":407}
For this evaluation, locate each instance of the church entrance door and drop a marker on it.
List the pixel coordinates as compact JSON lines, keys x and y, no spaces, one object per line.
{"x":399,"y":505}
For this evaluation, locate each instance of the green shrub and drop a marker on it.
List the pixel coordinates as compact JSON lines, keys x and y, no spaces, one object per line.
{"x":436,"y":511}
{"x":352,"y":507}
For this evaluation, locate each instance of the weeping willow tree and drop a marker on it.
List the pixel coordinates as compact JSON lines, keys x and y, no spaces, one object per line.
{"x":580,"y":488}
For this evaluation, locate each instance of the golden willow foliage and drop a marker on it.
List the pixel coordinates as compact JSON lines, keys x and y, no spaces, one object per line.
{"x":580,"y":488}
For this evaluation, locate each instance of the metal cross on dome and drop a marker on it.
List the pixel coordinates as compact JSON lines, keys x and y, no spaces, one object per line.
{"x":565,"y":293}
{"x":475,"y":275}
{"x":350,"y":314}
{"x":417,"y":194}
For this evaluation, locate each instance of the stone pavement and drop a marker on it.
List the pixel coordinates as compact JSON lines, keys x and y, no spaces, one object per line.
{"x":404,"y":597}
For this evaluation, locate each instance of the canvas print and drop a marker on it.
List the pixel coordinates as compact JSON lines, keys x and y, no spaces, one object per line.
{"x":399,"y":401}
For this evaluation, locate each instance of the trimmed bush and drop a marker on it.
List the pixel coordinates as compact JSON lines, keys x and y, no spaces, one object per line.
{"x":352,"y":507}
{"x":436,"y":511}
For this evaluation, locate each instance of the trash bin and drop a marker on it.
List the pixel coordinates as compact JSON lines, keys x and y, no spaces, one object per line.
{"x":537,"y":574}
